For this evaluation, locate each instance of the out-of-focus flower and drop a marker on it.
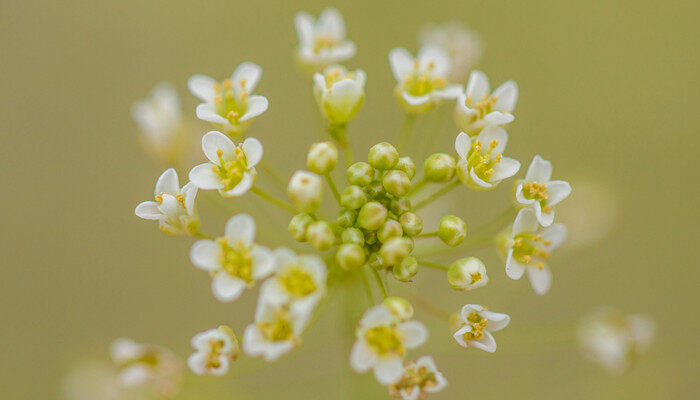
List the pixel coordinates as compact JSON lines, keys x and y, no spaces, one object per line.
{"x":614,"y":339}
{"x":322,"y":41}
{"x":234,"y":260}
{"x":463,"y":45}
{"x":173,"y":207}
{"x":482,"y":165}
{"x":418,"y":380}
{"x":146,"y":366}
{"x":478,"y":108}
{"x":382,"y":341}
{"x":97,"y":381}
{"x":528,"y":247}
{"x":231,"y":169}
{"x":339,"y":93}
{"x":539,"y":192}
{"x":421,"y":81}
{"x":305,"y":191}
{"x":477,"y":325}
{"x":277,"y":330}
{"x":591,"y":214}
{"x":229,"y":104}
{"x":298,"y":280}
{"x":215,"y":349}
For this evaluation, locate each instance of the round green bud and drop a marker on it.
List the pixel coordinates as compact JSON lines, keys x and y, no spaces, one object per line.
{"x":400,"y":206}
{"x":322,"y":158}
{"x":467,"y":273}
{"x":353,"y":197}
{"x":399,"y":307}
{"x":374,"y":189}
{"x":452,"y":230}
{"x":360,"y":174}
{"x":411,"y":223}
{"x":353,"y":235}
{"x":394,"y":250}
{"x":406,"y":165}
{"x":375,"y":261}
{"x":297,"y":226}
{"x":406,"y":269}
{"x":396,"y":182}
{"x":305,"y":191}
{"x":383,"y":156}
{"x":346,"y":218}
{"x":350,"y":256}
{"x":320,"y":235}
{"x":439,"y":167}
{"x":372,"y":216}
{"x":388,"y":230}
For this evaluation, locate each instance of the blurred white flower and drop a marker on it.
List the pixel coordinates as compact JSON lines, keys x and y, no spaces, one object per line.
{"x":229,"y":104}
{"x":382,"y":341}
{"x":478,"y":108}
{"x":339,"y":93}
{"x":299,"y":281}
{"x":463,"y":45}
{"x":148,"y":366}
{"x":97,"y":381}
{"x":322,"y":41}
{"x":231,"y":169}
{"x":418,"y":380}
{"x":482,"y":165}
{"x":477,"y":325}
{"x":276,"y":331}
{"x":174,"y":207}
{"x":234,"y":260}
{"x":591,"y":215}
{"x":421,"y":81}
{"x":541,"y":193}
{"x":214,"y":351}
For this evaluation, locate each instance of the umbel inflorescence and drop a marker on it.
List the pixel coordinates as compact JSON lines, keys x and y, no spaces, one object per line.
{"x":377,"y":233}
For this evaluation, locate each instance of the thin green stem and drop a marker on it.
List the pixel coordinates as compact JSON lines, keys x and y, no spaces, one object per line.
{"x":200,"y":235}
{"x":334,"y":189}
{"x":436,"y":195}
{"x":429,"y":307}
{"x":432,"y":264}
{"x":380,"y":282}
{"x":418,"y":186}
{"x":406,"y":132}
{"x":427,"y":235}
{"x":273,"y":200}
{"x":349,"y":157}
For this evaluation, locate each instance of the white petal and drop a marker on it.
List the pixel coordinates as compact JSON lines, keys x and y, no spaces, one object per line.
{"x":520,"y":196}
{"x":253,"y":150}
{"x":491,"y":133}
{"x":467,"y":309}
{"x":202,"y":86}
{"x":148,"y":210}
{"x":344,"y":97}
{"x":240,"y":227}
{"x":556,"y":234}
{"x":540,"y":279}
{"x":496,"y":321}
{"x":135,"y":375}
{"x":414,"y":333}
{"x":253,"y":341}
{"x":459,"y":335}
{"x":514,"y":268}
{"x":243,"y":186}
{"x":506,"y":168}
{"x":415,"y":100}
{"x":204,"y":177}
{"x":170,"y":206}
{"x":525,"y":222}
{"x":486,"y":343}
{"x":462,"y":145}
{"x":401,"y":62}
{"x":507,"y":96}
{"x":450,"y":92}
{"x":190,"y":193}
{"x":378,"y":315}
{"x":478,"y":181}
{"x":271,"y":292}
{"x":498,"y":118}
{"x":248,"y":71}
{"x":204,"y":254}
{"x":545,"y":218}
{"x":362,"y":358}
{"x":284,"y":256}
{"x":168,"y":183}
{"x":197,"y":363}
{"x":388,"y":370}
{"x":539,"y":171}
{"x":316,"y":267}
{"x":341,"y":52}
{"x":263,"y":262}
{"x":330,"y":22}
{"x":207,"y":112}
{"x":558,"y":191}
{"x":275,"y":350}
{"x":478,"y":86}
{"x":435,"y":57}
{"x":255,"y":105}
{"x":214,"y":141}
{"x":227,"y":288}
{"x":304,"y":24}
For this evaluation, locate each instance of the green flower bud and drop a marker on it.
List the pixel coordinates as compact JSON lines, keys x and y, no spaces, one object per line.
{"x":396,"y":182}
{"x":353,"y":235}
{"x":350,"y":256}
{"x":374,"y":189}
{"x":452,"y":230}
{"x":388,"y":230}
{"x":406,"y":269}
{"x":360,"y":174}
{"x":320,"y":235}
{"x":346,"y":218}
{"x":353,"y":197}
{"x":297,"y":226}
{"x":383,"y":156}
{"x":466,"y":274}
{"x":400,"y":206}
{"x":439,"y":167}
{"x":406,"y":165}
{"x":399,"y":307}
{"x":395,"y":250}
{"x":322,"y":158}
{"x":411,"y":223}
{"x":305,"y":191}
{"x":372,"y":216}
{"x":375,"y":261}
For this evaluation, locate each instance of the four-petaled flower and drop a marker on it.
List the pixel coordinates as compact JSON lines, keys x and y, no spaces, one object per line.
{"x":299,"y":281}
{"x":234,"y":260}
{"x":539,"y":192}
{"x":463,"y":46}
{"x":339,"y":93}
{"x":477,"y":325}
{"x":229,"y":104}
{"x":173,"y":207}
{"x":322,"y":41}
{"x":478,"y":108}
{"x":419,"y":378}
{"x":142,"y":365}
{"x":215,"y":349}
{"x":482,"y":165}
{"x":277,"y":330}
{"x":231,"y":169}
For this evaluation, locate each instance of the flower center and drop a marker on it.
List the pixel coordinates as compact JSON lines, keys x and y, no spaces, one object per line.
{"x":415,"y":376}
{"x":227,"y":104}
{"x":421,"y":82}
{"x":530,"y":249}
{"x":336,"y":75}
{"x":277,"y":329}
{"x":483,"y":107}
{"x":180,"y":198}
{"x":322,"y":42}
{"x":236,"y":259}
{"x":231,"y":172}
{"x":297,"y":282}
{"x":384,"y":340}
{"x":478,"y":323}
{"x":476,"y":277}
{"x":482,"y":160}
{"x":214,"y":356}
{"x":537,"y":191}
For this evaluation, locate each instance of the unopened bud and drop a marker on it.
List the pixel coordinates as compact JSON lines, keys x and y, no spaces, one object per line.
{"x":383,"y":156}
{"x":396,"y":182}
{"x":320,"y":235}
{"x":406,"y":165}
{"x":389,"y":229}
{"x":297,"y":226}
{"x":322,"y":158}
{"x":372,"y":216}
{"x":406,"y":269}
{"x":350,"y":256}
{"x":400,"y":206}
{"x":395,"y":250}
{"x":411,"y":223}
{"x":353,"y":235}
{"x":439,"y":167}
{"x":305,"y":191}
{"x":346,"y":218}
{"x":452,"y":230}
{"x":360,"y":174}
{"x":399,"y":307}
{"x":353,"y":197}
{"x":466,"y":274}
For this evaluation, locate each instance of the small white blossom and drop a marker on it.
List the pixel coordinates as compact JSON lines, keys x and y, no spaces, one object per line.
{"x":528,"y":247}
{"x":477,"y":325}
{"x":234,"y":260}
{"x":231,"y":169}
{"x":276,"y":331}
{"x":478,"y":108}
{"x":339,"y":93}
{"x":214,"y":351}
{"x":418,"y":380}
{"x":149,"y":366}
{"x":541,"y":193}
{"x":229,"y":104}
{"x":298,"y":280}
{"x":464,"y":47}
{"x":482,"y":165}
{"x":322,"y":41}
{"x":382,"y":341}
{"x":173,"y":207}
{"x":421,"y":81}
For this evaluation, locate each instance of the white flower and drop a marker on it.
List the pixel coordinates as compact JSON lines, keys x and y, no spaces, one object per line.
{"x":529,"y":247}
{"x":214,"y":350}
{"x":539,"y":192}
{"x":174,"y":206}
{"x":143,"y":365}
{"x":615,"y":340}
{"x":305,"y":191}
{"x":482,"y":165}
{"x":421,"y":82}
{"x":478,"y":108}
{"x":231,"y":169}
{"x":339,"y":93}
{"x":382,"y":341}
{"x":467,"y":273}
{"x":322,"y":42}
{"x":298,"y":280}
{"x":419,"y":378}
{"x":229,"y":104}
{"x":234,"y":260}
{"x":464,"y":46}
{"x":277,"y":330}
{"x":477,"y":325}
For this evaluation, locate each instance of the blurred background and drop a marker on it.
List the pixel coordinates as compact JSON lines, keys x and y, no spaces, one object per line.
{"x":608,"y":92}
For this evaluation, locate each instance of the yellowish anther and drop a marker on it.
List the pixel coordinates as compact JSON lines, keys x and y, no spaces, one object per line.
{"x":280,"y":328}
{"x":242,"y":82}
{"x":527,"y":258}
{"x":297,"y":282}
{"x":227,"y":84}
{"x":180,"y":199}
{"x":499,"y":157}
{"x":218,"y":99}
{"x":416,"y":64}
{"x":236,"y":260}
{"x":431,"y":65}
{"x":493,"y":144}
{"x":233,"y":115}
{"x":159,"y":199}
{"x":475,"y":277}
{"x":217,"y":87}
